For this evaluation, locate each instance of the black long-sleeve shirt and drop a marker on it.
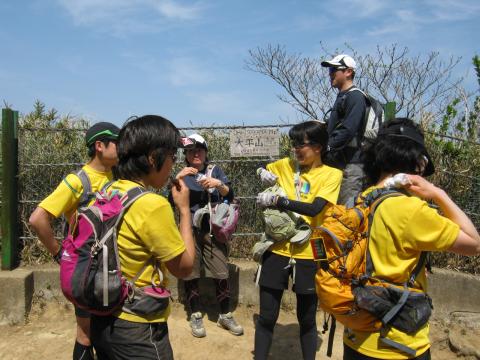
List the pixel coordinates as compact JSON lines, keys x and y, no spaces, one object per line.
{"x":345,"y":123}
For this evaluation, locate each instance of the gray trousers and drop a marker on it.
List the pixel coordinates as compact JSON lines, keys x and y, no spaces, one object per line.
{"x":352,"y":183}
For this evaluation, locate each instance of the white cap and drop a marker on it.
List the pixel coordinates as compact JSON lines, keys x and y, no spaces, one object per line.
{"x":198,"y":139}
{"x":341,"y":61}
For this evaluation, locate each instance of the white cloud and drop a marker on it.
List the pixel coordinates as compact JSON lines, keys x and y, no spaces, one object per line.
{"x":454,"y":10}
{"x":130,"y":15}
{"x":405,"y":20}
{"x":359,"y":8}
{"x":186,"y":72}
{"x":86,"y":12}
{"x":173,"y":10}
{"x":408,"y":16}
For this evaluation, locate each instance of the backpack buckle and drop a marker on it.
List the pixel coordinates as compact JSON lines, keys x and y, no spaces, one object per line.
{"x":362,"y":280}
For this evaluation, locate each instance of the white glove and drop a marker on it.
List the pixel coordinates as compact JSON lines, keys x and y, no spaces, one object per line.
{"x":267,"y":199}
{"x":267,"y":177}
{"x":398,"y":181}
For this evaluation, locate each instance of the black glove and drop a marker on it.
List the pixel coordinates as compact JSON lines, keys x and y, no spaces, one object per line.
{"x":58,"y":256}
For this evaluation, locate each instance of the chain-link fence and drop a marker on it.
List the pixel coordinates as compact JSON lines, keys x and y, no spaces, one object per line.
{"x":47,"y":155}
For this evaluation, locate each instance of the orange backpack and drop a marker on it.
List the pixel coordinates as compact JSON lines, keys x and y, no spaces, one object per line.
{"x":344,"y":283}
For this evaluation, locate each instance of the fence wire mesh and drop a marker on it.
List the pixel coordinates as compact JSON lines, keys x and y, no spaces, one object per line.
{"x":47,"y":155}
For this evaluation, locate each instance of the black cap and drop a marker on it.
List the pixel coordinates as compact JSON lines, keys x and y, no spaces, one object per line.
{"x":101,"y":131}
{"x":408,"y":131}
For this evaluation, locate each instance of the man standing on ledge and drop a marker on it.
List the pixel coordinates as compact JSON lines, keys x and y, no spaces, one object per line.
{"x":345,"y":126}
{"x":71,"y":193}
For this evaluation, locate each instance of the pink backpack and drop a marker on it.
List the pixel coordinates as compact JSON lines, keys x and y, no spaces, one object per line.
{"x":90,"y":274}
{"x":223,"y":216}
{"x":223,"y":220}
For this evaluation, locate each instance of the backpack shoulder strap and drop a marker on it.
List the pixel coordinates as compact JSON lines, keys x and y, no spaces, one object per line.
{"x":87,"y":188}
{"x":127,"y":200}
{"x":354,"y":88}
{"x":131,"y":196}
{"x":418,"y":268}
{"x":367,"y":97}
{"x":209,"y":171}
{"x":107,"y":185}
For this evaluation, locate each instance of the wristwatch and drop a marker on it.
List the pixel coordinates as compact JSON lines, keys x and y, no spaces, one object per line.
{"x":58,"y":256}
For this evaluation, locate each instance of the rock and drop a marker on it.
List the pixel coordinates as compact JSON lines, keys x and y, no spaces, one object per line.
{"x":464,"y":334}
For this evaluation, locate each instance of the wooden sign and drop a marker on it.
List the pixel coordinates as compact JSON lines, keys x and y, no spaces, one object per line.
{"x":255,"y":142}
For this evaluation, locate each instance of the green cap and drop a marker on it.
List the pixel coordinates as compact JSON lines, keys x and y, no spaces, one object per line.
{"x":101,"y":131}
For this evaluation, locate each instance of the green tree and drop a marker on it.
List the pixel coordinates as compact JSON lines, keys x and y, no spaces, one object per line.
{"x":459,"y":161}
{"x":50,"y":146}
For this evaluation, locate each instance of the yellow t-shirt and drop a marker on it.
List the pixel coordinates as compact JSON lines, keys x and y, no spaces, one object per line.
{"x":323,"y":181}
{"x":64,"y":199}
{"x":148,"y":230}
{"x":403,"y":227}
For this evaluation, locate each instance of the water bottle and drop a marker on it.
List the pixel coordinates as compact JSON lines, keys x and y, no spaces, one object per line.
{"x":200,"y":177}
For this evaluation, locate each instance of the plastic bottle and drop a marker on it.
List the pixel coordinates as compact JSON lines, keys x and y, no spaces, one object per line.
{"x":199,"y":177}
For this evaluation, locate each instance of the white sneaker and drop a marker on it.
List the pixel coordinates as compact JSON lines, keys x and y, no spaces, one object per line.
{"x":196,"y":323}
{"x":227,"y":322}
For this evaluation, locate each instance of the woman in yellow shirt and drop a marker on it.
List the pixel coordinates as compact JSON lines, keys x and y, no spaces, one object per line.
{"x":404,"y":227}
{"x":309,"y":185}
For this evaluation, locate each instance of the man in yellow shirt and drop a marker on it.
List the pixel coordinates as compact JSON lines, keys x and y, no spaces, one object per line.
{"x":403,"y":227}
{"x":101,"y":140}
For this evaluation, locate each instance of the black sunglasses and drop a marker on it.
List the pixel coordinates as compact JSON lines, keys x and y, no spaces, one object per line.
{"x":301,"y":145}
{"x":333,"y":69}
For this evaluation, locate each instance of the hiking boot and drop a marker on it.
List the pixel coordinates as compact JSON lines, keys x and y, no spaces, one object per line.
{"x":228,"y":322}
{"x":196,"y":323}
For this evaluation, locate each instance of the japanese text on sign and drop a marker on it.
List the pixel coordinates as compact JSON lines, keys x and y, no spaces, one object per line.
{"x":254,"y":142}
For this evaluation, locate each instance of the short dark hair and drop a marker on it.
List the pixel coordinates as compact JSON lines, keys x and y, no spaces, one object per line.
{"x":315,"y":131}
{"x":392,"y":154}
{"x":141,"y":137}
{"x":91,"y":148}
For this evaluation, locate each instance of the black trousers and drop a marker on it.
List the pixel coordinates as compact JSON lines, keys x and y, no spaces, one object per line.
{"x":114,"y":338}
{"x":270,"y":300}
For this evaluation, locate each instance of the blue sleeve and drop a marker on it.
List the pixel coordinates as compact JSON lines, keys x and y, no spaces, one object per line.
{"x":220,"y":175}
{"x":351,"y":122}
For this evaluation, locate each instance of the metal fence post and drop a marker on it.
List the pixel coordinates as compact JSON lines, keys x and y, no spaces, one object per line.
{"x":390,"y":110}
{"x":9,"y":212}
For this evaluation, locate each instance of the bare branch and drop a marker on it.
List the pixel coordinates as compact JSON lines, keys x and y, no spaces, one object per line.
{"x":418,"y":84}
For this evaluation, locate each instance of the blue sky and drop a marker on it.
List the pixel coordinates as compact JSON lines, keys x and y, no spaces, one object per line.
{"x":109,"y":59}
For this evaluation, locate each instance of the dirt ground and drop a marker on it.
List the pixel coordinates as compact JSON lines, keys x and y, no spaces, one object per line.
{"x":49,"y":334}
